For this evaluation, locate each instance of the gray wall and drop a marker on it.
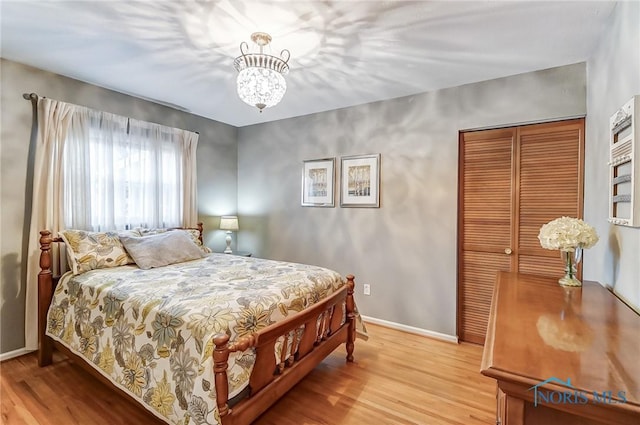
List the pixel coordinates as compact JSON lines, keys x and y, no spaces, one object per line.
{"x":613,"y":78}
{"x":406,"y":250}
{"x":217,"y":169}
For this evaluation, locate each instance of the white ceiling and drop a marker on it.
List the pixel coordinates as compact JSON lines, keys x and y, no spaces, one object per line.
{"x":343,"y":53}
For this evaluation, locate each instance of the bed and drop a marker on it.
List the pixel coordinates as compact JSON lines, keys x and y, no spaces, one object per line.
{"x":216,"y":339}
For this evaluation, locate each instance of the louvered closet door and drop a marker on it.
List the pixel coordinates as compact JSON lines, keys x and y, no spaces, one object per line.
{"x":486,"y":220}
{"x":551,"y":175}
{"x":512,"y":181}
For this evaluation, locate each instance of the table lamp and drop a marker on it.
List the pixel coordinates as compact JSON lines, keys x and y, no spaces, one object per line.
{"x":228,"y":223}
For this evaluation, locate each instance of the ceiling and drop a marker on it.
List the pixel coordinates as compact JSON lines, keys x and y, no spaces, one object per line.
{"x":343,"y":53}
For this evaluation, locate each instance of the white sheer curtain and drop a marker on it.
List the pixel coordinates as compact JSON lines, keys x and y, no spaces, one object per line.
{"x":99,"y":171}
{"x":155,"y":180}
{"x":90,"y":187}
{"x":128,"y":173}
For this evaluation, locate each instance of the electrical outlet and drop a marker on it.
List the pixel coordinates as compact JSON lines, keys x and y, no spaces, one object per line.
{"x":367,"y":289}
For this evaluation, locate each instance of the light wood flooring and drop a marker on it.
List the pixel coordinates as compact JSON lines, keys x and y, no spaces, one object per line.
{"x":398,"y":378}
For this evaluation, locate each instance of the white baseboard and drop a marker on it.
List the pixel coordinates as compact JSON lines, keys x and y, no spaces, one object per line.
{"x":14,"y":353}
{"x":411,"y":329}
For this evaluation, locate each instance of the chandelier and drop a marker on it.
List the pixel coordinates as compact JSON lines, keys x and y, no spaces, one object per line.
{"x":261,"y":80}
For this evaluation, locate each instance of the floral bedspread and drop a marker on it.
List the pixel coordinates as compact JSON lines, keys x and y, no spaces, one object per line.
{"x":150,"y":331}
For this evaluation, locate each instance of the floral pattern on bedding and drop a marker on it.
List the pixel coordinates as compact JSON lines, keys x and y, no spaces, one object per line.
{"x":95,"y":250}
{"x":150,"y":331}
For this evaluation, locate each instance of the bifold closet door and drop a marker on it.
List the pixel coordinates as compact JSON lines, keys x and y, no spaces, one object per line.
{"x":551,"y":173}
{"x":485,"y":224}
{"x":511,"y":182}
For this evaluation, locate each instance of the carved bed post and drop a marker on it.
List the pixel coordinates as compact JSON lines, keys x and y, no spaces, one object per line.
{"x":200,"y":228}
{"x":45,"y":293}
{"x":220,"y":359}
{"x":351,"y":317}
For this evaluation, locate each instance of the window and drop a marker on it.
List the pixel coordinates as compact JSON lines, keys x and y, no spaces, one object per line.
{"x":122,"y":173}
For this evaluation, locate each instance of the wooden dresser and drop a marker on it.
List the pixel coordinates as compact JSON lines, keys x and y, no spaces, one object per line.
{"x":562,"y":355}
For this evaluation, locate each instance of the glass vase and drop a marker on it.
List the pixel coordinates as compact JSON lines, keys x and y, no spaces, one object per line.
{"x":571,"y":260}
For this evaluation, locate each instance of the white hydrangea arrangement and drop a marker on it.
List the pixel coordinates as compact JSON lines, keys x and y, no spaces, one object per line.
{"x":567,"y":234}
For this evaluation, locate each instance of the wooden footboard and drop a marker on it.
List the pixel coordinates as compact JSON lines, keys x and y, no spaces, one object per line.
{"x":304,"y":340}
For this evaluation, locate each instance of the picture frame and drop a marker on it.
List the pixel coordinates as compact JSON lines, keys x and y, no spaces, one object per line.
{"x":360,"y":181}
{"x":318,"y":182}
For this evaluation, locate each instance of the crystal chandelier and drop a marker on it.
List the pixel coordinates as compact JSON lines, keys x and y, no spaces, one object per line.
{"x":260,"y":80}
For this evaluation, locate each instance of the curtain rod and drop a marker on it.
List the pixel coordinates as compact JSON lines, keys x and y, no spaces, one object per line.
{"x":33,"y":97}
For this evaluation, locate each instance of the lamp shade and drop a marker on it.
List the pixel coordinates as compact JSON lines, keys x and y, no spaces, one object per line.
{"x":228,"y":222}
{"x":261,"y":87}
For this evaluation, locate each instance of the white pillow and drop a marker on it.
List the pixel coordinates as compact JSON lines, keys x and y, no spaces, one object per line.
{"x":193,"y":233}
{"x":161,"y":249}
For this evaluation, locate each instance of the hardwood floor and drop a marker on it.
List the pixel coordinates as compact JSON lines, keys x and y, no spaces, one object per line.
{"x":398,"y":378}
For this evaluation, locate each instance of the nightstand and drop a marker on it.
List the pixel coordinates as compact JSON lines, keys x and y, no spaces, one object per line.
{"x":242,"y":253}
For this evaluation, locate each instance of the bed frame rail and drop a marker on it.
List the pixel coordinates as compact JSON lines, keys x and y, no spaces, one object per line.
{"x":306,"y":338}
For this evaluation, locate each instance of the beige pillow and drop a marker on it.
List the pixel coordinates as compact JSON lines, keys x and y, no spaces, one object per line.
{"x":94,"y":250}
{"x":195,"y":235}
{"x":162,"y":249}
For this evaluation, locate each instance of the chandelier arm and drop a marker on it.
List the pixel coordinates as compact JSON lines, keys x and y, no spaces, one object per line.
{"x":288,"y":55}
{"x":246,"y":48}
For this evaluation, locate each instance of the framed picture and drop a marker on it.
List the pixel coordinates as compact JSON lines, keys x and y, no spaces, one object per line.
{"x":318,"y":182}
{"x":360,"y":181}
